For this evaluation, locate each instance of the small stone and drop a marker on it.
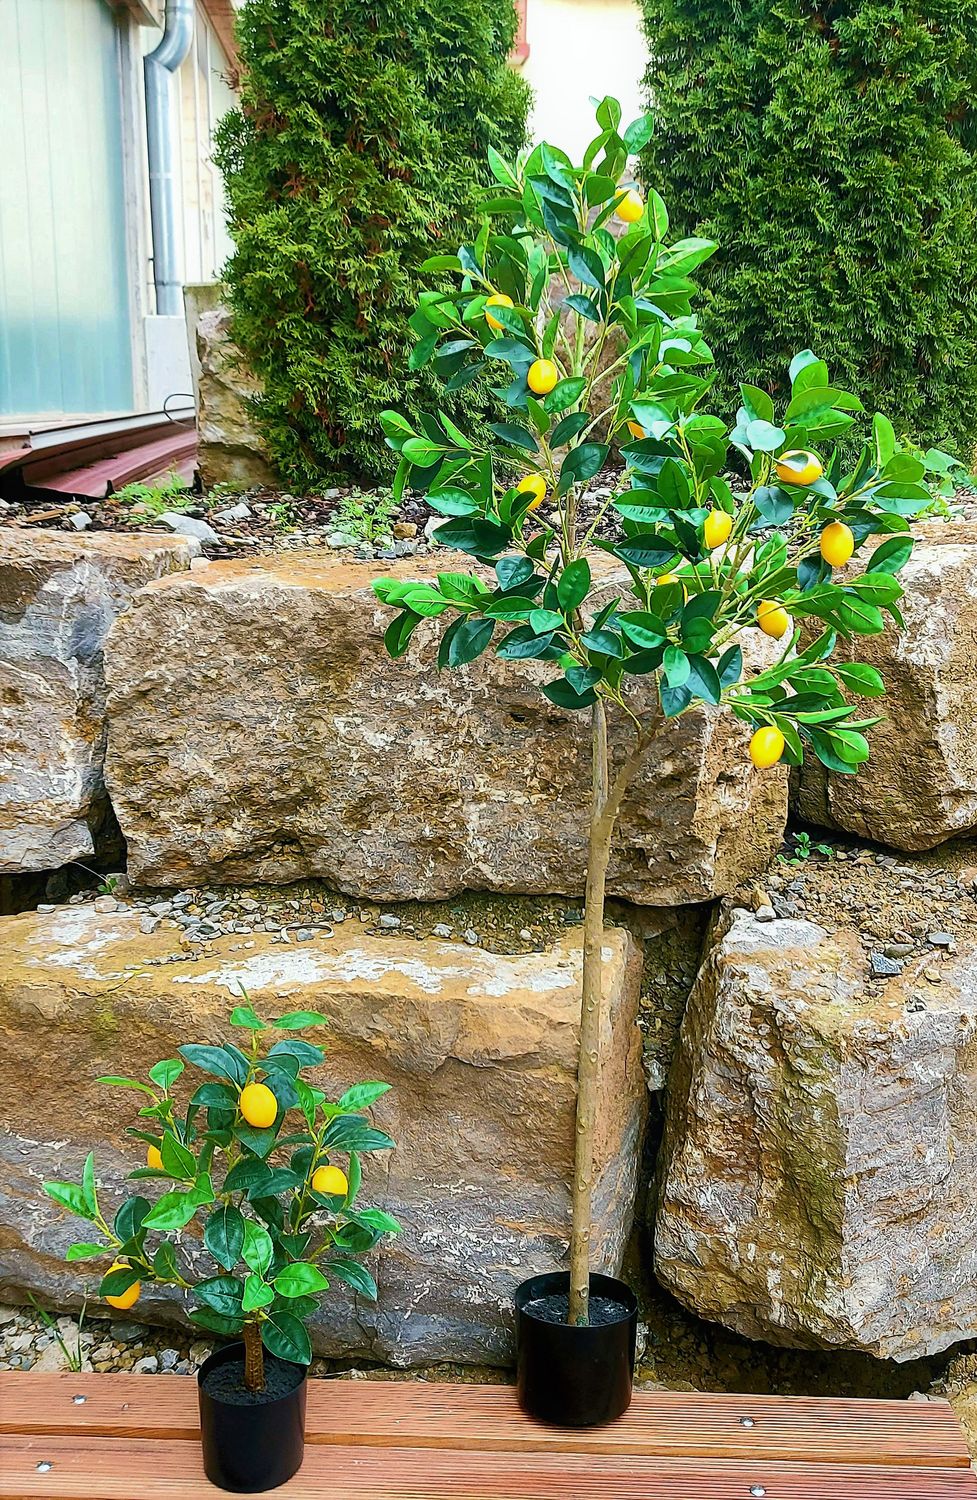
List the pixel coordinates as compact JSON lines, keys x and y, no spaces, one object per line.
{"x":883,"y":967}
{"x":199,"y":1351}
{"x":387,"y":919}
{"x":431,"y":526}
{"x":765,"y":914}
{"x":161,"y":908}
{"x":128,"y":1333}
{"x":472,"y":938}
{"x":898,"y":950}
{"x":404,"y":530}
{"x":148,"y":1365}
{"x":916,"y":1004}
{"x":338,"y":540}
{"x":239,"y":512}
{"x":148,"y":924}
{"x":933,"y":976}
{"x":525,"y":935}
{"x":46,"y":906}
{"x":304,"y":935}
{"x":80,"y":521}
{"x":760,"y":899}
{"x":441,"y":930}
{"x":106,"y":904}
{"x":941,"y":940}
{"x":183,"y":525}
{"x":168,"y":1359}
{"x":338,"y":915}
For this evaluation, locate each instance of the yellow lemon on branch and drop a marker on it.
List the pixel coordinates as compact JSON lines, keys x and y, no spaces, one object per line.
{"x":543,"y":376}
{"x":535,"y":485}
{"x":798,"y":467}
{"x":258,"y":1105}
{"x":631,"y":207}
{"x":772,"y":618}
{"x":766,"y":747}
{"x":497,"y":299}
{"x":837,"y":544}
{"x":125,"y":1299}
{"x":716,"y":528}
{"x":153,"y":1158}
{"x":330,"y":1181}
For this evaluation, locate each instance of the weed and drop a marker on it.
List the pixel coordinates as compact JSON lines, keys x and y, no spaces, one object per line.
{"x":366,"y":515}
{"x":75,"y":1357}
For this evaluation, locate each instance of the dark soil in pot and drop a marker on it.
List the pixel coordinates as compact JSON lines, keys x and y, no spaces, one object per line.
{"x":252,"y":1440}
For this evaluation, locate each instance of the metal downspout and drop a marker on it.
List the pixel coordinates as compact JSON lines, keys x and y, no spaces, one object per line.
{"x":159,"y":67}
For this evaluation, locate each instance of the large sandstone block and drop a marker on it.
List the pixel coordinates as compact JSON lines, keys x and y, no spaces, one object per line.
{"x":920,"y":786}
{"x":481,"y":1053}
{"x":259,"y":732}
{"x":58,"y":596}
{"x":230,"y":449}
{"x":819,"y":1173}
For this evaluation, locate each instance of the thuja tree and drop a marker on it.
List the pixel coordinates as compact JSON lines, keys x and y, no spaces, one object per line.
{"x":830,"y":146}
{"x":257,"y":1216}
{"x":362,"y":135}
{"x":654,"y":632}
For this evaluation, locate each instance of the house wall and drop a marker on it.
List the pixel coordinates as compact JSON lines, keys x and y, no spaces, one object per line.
{"x":579,"y":48}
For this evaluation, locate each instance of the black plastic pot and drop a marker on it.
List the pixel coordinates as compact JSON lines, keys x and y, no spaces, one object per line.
{"x":253,"y":1447}
{"x":572,"y":1376}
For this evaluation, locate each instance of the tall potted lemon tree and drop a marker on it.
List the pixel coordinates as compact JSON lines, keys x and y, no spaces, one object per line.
{"x":259,"y":1217}
{"x":574,"y":302}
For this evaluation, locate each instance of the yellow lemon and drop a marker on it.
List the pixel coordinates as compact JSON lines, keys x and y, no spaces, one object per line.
{"x":716,"y":528}
{"x":258,"y":1105}
{"x":331,"y":1181}
{"x":772,"y":618}
{"x":153,"y":1158}
{"x":799,"y":467}
{"x":543,"y":376}
{"x":125,"y":1299}
{"x":636,"y":430}
{"x":837,"y":544}
{"x":631,"y":207}
{"x":535,"y":485}
{"x":766,"y":747}
{"x":498,"y":299}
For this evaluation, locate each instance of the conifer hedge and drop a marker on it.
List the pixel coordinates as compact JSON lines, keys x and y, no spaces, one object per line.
{"x":359,"y":147}
{"x":831,"y":149}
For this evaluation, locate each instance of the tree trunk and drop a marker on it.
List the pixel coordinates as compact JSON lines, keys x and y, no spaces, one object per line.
{"x":254,"y":1358}
{"x":602,"y":820}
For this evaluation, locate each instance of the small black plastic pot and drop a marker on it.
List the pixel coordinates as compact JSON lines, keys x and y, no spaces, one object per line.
{"x":572,"y":1376}
{"x":257,"y":1446}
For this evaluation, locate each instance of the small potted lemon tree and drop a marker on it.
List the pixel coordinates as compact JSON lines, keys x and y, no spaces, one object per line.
{"x":260,"y":1215}
{"x":577,"y":306}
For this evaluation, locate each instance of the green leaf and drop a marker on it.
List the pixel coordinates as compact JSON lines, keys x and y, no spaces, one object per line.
{"x":302,"y":1279}
{"x":703,"y":680}
{"x":564,"y":695}
{"x":221,"y":1293}
{"x":362,"y":1095}
{"x":862,"y":679}
{"x":246,"y":1175}
{"x":124,"y":1083}
{"x":116,"y":1283}
{"x":757,"y":404}
{"x":764,"y":437}
{"x":177,"y":1160}
{"x":645,"y":630}
{"x":215,"y":1060}
{"x":88,"y":1183}
{"x":286,"y":1337}
{"x":130,"y":1217}
{"x":298,"y":1020}
{"x":676,"y":667}
{"x":564,"y":394}
{"x":71,"y":1197}
{"x":205,"y":1317}
{"x":892,"y":556}
{"x":224,"y":1235}
{"x":582,"y":464}
{"x":165,"y":1267}
{"x":516,"y":436}
{"x":568,"y":428}
{"x":574,"y":585}
{"x":257,"y":1293}
{"x":258,"y":1249}
{"x":469,"y":638}
{"x":243,"y":1015}
{"x":380,"y":1220}
{"x":85,"y":1251}
{"x":173,"y":1211}
{"x":164,"y":1074}
{"x":587,"y":266}
{"x":352,"y":1133}
{"x":355,"y":1275}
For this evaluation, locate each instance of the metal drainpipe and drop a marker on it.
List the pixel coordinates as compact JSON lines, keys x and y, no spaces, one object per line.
{"x":159,"y":67}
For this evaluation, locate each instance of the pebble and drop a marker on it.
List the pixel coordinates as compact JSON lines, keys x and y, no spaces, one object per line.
{"x":105,"y":904}
{"x":442,"y":930}
{"x":472,"y":938}
{"x":80,"y":521}
{"x":941,"y":940}
{"x":239,"y":512}
{"x":765,"y":914}
{"x":933,"y":976}
{"x":338,"y":540}
{"x":128,"y":1333}
{"x":148,"y":1365}
{"x":387,"y":919}
{"x":883,"y":967}
{"x":182,"y":525}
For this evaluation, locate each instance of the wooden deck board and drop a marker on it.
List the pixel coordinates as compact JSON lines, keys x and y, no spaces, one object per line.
{"x":135,"y":1438}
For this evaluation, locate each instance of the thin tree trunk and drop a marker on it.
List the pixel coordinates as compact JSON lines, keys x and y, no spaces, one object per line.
{"x":605,"y":806}
{"x":588,"y":1064}
{"x":254,"y":1358}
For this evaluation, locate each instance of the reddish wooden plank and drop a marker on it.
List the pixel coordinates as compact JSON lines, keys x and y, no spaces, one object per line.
{"x":88,"y":1468}
{"x":425,"y":1415}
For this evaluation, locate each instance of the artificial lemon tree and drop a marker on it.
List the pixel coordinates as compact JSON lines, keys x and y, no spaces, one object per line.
{"x":574,"y":300}
{"x":250,"y":1159}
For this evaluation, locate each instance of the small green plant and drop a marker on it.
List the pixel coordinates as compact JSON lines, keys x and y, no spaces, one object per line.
{"x":278,"y":1217}
{"x":108,"y":886}
{"x":802,"y":849}
{"x":74,"y":1358}
{"x":944,"y":477}
{"x":366,"y":515}
{"x":169,"y":493}
{"x":283,"y":515}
